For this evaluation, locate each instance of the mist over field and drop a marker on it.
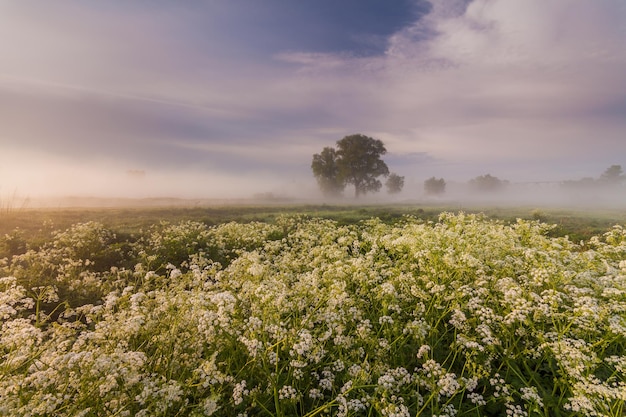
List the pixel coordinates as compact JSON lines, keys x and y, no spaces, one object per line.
{"x":166,"y":191}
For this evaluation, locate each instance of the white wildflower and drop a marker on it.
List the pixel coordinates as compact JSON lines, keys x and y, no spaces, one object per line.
{"x":315,"y":394}
{"x":530,"y":394}
{"x":287,"y":392}
{"x":239,"y":392}
{"x":423,"y":351}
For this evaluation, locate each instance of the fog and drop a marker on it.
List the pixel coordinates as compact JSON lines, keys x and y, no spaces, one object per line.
{"x":38,"y":180}
{"x":82,"y":186}
{"x":208,"y":101}
{"x":73,"y":181}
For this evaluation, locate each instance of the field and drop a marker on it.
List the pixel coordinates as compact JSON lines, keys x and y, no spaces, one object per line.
{"x":312,"y":311}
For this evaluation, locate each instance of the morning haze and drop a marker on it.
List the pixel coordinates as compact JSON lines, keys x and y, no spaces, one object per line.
{"x":217,"y":100}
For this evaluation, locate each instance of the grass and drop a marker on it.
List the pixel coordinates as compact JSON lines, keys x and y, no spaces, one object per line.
{"x":35,"y":224}
{"x":12,"y":203}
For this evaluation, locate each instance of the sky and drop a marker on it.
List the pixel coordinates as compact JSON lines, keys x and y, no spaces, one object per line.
{"x":216,"y":98}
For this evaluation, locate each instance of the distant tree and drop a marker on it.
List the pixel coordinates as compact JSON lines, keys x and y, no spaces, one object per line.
{"x":326,"y":170}
{"x":360,"y":164}
{"x":612,"y":175}
{"x":356,"y":161}
{"x":434,"y":186}
{"x":487,"y":183}
{"x":583,"y":183}
{"x":394,"y":183}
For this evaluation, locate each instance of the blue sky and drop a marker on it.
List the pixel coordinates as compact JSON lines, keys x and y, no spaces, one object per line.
{"x":230,"y":98}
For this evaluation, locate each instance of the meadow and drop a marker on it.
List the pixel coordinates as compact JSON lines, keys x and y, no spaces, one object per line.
{"x":312,"y":311}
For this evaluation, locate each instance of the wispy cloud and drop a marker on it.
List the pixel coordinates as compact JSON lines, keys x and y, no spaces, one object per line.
{"x":524,"y":89}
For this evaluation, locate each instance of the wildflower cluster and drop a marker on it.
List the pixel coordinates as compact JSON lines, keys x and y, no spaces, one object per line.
{"x":459,"y":317}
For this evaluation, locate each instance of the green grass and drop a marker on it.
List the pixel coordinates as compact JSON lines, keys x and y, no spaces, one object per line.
{"x":35,"y":224}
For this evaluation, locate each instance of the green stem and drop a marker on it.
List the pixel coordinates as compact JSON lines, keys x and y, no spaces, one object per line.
{"x":276,"y":398}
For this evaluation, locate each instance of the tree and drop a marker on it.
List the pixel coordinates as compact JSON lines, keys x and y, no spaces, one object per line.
{"x":434,"y":186}
{"x":356,"y":161}
{"x":487,"y":183}
{"x":612,"y":175}
{"x":326,"y":171}
{"x":360,"y":164}
{"x":394,"y":183}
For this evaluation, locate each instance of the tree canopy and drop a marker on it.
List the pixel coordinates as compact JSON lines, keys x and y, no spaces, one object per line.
{"x":356,"y":161}
{"x":612,"y":175}
{"x":360,"y":163}
{"x":487,"y":183}
{"x":394,"y":183}
{"x":434,"y":186}
{"x":326,"y":172}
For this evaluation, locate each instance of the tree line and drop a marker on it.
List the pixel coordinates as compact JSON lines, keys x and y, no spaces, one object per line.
{"x":357,"y":161}
{"x":613,"y":175}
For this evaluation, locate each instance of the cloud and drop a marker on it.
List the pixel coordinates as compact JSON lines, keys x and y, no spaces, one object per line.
{"x":503,"y":78}
{"x":533,"y":88}
{"x":222,"y":90}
